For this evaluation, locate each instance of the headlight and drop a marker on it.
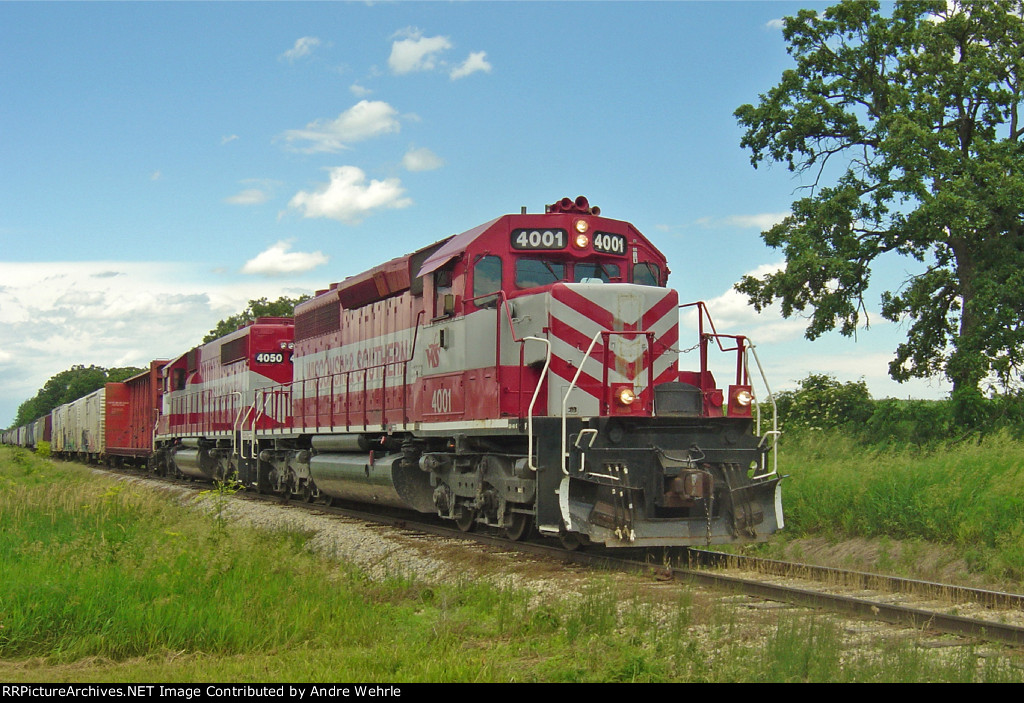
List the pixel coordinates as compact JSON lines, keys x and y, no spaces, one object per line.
{"x":627,"y":396}
{"x":582,"y":241}
{"x":744,"y":398}
{"x":582,"y":226}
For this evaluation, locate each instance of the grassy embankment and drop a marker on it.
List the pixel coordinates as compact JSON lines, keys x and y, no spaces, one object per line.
{"x":967,"y":495}
{"x":106,"y":581}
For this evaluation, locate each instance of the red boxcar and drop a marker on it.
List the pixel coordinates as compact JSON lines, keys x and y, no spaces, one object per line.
{"x":133,"y":407}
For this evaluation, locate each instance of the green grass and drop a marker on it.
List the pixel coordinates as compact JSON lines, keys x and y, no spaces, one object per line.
{"x":968,"y":495}
{"x":107,"y":581}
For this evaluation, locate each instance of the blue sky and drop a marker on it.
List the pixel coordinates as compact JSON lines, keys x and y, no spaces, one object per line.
{"x":163,"y":163}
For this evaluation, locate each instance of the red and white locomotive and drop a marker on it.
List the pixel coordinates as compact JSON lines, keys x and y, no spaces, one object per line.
{"x":521,"y":374}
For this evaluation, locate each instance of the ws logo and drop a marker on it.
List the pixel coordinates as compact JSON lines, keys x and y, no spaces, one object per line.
{"x":434,"y":355}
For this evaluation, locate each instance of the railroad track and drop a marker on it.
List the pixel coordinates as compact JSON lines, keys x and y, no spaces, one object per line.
{"x":922,"y":605}
{"x":927,"y":611}
{"x":926,"y":605}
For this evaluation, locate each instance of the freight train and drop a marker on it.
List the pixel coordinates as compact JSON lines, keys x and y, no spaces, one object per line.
{"x":522,"y":375}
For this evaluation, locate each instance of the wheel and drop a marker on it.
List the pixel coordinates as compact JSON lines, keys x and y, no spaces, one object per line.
{"x":307,"y":492}
{"x":466,"y":519}
{"x":571,"y":541}
{"x":518,"y":526}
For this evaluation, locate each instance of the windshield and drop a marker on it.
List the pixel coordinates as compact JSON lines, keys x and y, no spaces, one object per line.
{"x":604,"y":272}
{"x":533,"y":273}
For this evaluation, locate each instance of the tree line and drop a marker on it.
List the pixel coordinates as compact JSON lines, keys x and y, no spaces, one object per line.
{"x":70,"y":385}
{"x":820,"y":403}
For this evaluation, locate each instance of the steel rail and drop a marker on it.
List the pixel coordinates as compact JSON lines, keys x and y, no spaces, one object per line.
{"x":918,"y":618}
{"x":863,"y":579}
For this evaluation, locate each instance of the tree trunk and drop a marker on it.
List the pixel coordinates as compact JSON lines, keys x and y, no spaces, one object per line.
{"x":966,"y":368}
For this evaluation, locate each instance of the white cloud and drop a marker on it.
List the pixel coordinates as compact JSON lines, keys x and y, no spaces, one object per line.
{"x":761,"y":221}
{"x":732,"y":314}
{"x":359,"y":91}
{"x":57,"y":314}
{"x":347,"y":198}
{"x":477,"y":61}
{"x":155,"y":176}
{"x":277,"y":260}
{"x":228,"y":139}
{"x":364,"y":120}
{"x":249,"y":196}
{"x":256,"y":191}
{"x":304,"y":46}
{"x":422,"y":159}
{"x":414,"y":52}
{"x":774,"y":24}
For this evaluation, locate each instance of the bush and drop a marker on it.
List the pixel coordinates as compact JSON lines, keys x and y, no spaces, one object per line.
{"x":822,"y":402}
{"x":903,"y":422}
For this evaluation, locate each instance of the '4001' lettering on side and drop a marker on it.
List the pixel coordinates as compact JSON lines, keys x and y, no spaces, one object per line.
{"x":441,"y":401}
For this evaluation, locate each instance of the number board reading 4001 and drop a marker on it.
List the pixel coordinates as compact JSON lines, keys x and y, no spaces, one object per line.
{"x":609,"y":243}
{"x":539,"y":239}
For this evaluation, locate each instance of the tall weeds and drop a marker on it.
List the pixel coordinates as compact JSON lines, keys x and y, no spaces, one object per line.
{"x":968,"y":494}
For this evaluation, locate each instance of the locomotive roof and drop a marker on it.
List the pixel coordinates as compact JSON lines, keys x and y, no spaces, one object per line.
{"x":404,"y":272}
{"x":455,"y":246}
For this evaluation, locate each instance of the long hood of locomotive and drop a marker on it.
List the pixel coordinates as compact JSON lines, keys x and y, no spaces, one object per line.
{"x":473,"y":369}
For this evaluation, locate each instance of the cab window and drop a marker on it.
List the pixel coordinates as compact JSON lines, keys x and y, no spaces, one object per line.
{"x":605,"y":272}
{"x":533,"y":273}
{"x":646,"y":274}
{"x":486,"y":279}
{"x":444,"y":299}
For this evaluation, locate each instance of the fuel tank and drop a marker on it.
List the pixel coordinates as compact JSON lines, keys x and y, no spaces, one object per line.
{"x":382,"y":480}
{"x":195,"y":462}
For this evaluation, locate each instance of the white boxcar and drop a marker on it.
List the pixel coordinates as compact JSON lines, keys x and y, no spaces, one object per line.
{"x":93,"y":424}
{"x":62,"y":437}
{"x":79,"y":427}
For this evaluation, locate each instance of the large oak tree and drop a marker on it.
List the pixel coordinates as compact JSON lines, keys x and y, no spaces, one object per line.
{"x":907,"y":130}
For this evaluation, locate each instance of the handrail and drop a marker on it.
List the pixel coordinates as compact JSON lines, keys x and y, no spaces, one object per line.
{"x":364,"y":391}
{"x":565,"y":398}
{"x":744,"y":348}
{"x":236,"y":425}
{"x":533,"y":400}
{"x":774,"y":431}
{"x":604,"y":382}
